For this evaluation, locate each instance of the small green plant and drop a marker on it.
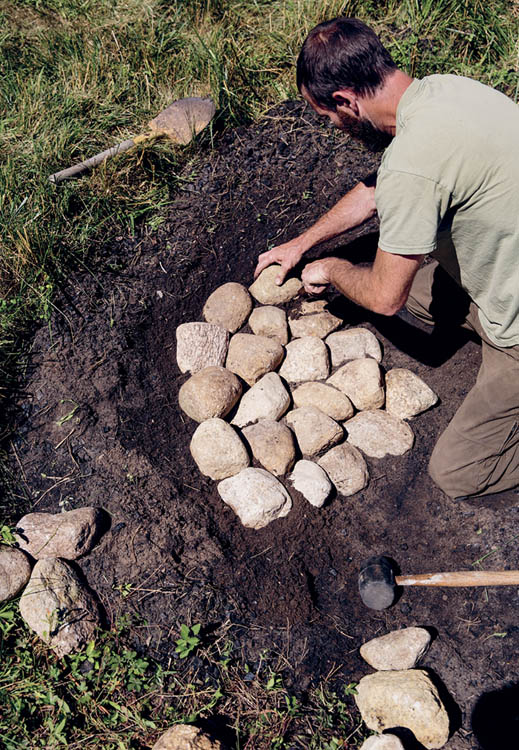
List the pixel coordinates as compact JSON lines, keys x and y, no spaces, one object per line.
{"x":188,"y":641}
{"x":350,"y":688}
{"x":7,"y":536}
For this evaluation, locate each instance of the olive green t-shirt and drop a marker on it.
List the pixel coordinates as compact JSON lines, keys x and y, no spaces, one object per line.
{"x":449,"y":185}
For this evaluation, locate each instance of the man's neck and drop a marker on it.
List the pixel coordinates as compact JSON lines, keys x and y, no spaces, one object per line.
{"x":381,"y":108}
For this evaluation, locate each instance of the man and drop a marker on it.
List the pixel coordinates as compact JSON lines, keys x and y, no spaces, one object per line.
{"x":448,"y":186}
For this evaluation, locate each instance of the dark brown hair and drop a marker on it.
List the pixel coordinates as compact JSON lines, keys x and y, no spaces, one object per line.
{"x":342,"y":53}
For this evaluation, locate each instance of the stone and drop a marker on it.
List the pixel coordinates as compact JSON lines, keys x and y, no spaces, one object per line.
{"x":186,"y":737}
{"x":68,"y":535}
{"x":361,"y":381}
{"x":311,"y":481}
{"x":272,"y":444}
{"x":267,"y":292}
{"x":405,"y":698}
{"x":306,"y":359}
{"x":57,"y":606}
{"x":382,"y":742}
{"x":354,"y":343}
{"x":251,"y":356}
{"x":256,"y":496}
{"x":319,"y":324}
{"x":379,"y":434}
{"x":328,"y":399}
{"x":267,"y":399}
{"x":406,"y":394}
{"x":212,"y":392}
{"x":311,"y":306}
{"x":15,"y":571}
{"x":400,"y":649}
{"x":218,"y":450}
{"x":346,"y":468}
{"x":270,"y":321}
{"x":201,"y":345}
{"x":315,"y":432}
{"x":228,"y":306}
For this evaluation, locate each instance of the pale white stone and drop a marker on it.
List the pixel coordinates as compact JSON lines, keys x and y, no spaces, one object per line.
{"x":400,"y":649}
{"x":256,"y":496}
{"x":311,"y":481}
{"x":328,"y":399}
{"x":319,"y":324}
{"x":251,"y":356}
{"x":270,"y":321}
{"x":378,"y":434}
{"x":406,"y":394}
{"x":218,"y":450}
{"x":346,"y":468}
{"x":212,"y":392}
{"x":228,"y":306}
{"x":267,"y":399}
{"x":405,"y":698}
{"x":315,"y":432}
{"x":201,"y":345}
{"x":306,"y":359}
{"x":68,"y":535}
{"x":354,"y":343}
{"x":15,"y":571}
{"x":382,"y":742}
{"x":58,"y":608}
{"x":361,"y":381}
{"x":272,"y":444}
{"x":186,"y":737}
{"x":267,"y":292}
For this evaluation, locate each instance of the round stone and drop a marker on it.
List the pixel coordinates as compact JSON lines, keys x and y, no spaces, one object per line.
{"x":218,"y":450}
{"x":212,"y":392}
{"x":267,"y":292}
{"x":228,"y":306}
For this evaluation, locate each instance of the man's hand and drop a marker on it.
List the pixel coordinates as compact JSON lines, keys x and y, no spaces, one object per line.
{"x":287,"y":255}
{"x":317,"y":275}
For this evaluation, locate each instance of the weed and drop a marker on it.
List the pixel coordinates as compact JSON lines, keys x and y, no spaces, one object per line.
{"x":188,"y":641}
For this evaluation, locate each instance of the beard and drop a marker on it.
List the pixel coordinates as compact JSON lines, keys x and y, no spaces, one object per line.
{"x":372,"y":138}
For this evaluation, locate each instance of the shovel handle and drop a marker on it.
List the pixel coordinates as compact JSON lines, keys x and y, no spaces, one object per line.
{"x":462,"y":578}
{"x":67,"y":174}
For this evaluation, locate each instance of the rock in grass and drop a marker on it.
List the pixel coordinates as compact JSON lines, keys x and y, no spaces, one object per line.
{"x":58,"y":607}
{"x":319,"y":324}
{"x":379,"y":434}
{"x":251,"y":356}
{"x":218,"y":450}
{"x":267,"y":292}
{"x":361,"y":381}
{"x":400,"y":649}
{"x":270,"y":321}
{"x":228,"y":306}
{"x":201,"y":345}
{"x":346,"y":468}
{"x":382,"y":742}
{"x":354,"y":343}
{"x":186,"y":737}
{"x":15,"y":571}
{"x":256,"y":496}
{"x":272,"y":444}
{"x":311,"y":481}
{"x":69,"y":535}
{"x":212,"y":392}
{"x":328,"y":399}
{"x":306,"y":359}
{"x":267,"y":399}
{"x":315,"y":432}
{"x":404,"y":699}
{"x":406,"y":394}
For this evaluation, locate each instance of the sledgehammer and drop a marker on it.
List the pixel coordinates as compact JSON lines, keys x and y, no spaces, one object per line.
{"x":377,"y":580}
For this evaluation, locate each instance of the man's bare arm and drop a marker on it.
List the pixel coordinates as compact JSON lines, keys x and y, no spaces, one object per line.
{"x":382,"y":287}
{"x":353,"y":209}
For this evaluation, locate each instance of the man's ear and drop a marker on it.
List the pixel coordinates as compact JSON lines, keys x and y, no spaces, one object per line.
{"x":346,"y":100}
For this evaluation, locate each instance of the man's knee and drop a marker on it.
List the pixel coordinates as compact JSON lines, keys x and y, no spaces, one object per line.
{"x":455,"y":475}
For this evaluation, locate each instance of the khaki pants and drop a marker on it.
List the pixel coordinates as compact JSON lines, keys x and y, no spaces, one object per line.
{"x":478,"y":453}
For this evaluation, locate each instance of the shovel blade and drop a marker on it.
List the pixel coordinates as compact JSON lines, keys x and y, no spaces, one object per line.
{"x":183,"y":119}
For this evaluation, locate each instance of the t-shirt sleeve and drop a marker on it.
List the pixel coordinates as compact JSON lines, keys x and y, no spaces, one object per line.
{"x":410,"y":209}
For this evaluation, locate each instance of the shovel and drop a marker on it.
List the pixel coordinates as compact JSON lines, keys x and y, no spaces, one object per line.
{"x":180,"y":122}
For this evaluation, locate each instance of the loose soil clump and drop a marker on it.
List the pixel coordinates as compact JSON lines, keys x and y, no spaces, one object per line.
{"x":102,"y":426}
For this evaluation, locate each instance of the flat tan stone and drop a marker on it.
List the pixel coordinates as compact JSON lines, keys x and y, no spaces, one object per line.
{"x":201,"y":345}
{"x":319,"y":324}
{"x":328,"y":399}
{"x":379,"y":434}
{"x":306,"y":359}
{"x":251,"y":356}
{"x":272,"y":444}
{"x":186,"y":737}
{"x":361,"y":381}
{"x":267,"y":292}
{"x":256,"y":496}
{"x":228,"y":306}
{"x":406,"y":394}
{"x":15,"y":571}
{"x":400,"y":649}
{"x":346,"y":468}
{"x":212,"y":392}
{"x":270,"y":321}
{"x":218,"y":450}
{"x":315,"y":432}
{"x":267,"y":399}
{"x":69,"y":535}
{"x":353,"y":343}
{"x":382,"y":742}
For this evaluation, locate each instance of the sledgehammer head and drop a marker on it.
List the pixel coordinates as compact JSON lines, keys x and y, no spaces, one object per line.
{"x":377,"y":583}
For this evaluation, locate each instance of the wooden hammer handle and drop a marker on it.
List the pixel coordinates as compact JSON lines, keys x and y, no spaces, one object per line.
{"x":462,"y":578}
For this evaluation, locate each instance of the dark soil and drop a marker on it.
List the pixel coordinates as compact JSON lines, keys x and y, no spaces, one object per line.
{"x":175,"y":553}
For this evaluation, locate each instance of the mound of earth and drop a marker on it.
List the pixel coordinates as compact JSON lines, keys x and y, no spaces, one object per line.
{"x":101,"y":425}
